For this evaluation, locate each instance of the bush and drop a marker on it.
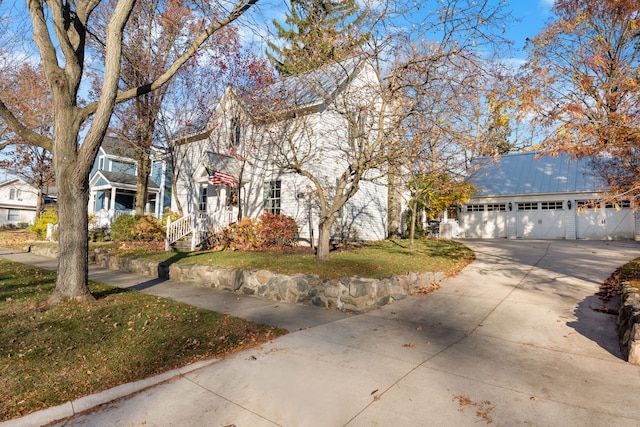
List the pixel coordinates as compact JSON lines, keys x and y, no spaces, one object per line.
{"x":149,"y":229}
{"x":268,"y":231}
{"x":277,"y":230}
{"x":128,"y":228}
{"x":122,"y":228}
{"x":50,"y":216}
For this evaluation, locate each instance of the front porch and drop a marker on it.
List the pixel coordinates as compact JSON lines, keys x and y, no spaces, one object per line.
{"x":114,"y":194}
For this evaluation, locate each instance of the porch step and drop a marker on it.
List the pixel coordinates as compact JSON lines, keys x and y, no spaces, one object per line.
{"x":182,"y":245}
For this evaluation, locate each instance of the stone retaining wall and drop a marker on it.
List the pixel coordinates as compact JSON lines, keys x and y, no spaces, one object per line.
{"x":346,"y":294}
{"x":628,"y":323}
{"x":353,"y":294}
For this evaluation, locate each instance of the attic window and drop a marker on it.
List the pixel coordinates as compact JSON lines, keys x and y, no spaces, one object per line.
{"x":235,"y":132}
{"x":14,"y":194}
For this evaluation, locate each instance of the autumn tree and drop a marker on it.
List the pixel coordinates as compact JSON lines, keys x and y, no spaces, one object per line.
{"x":60,"y":31}
{"x":187,"y":116}
{"x":582,"y":85}
{"x":152,"y":40}
{"x":374,"y":111}
{"x":317,"y":32}
{"x":433,"y":193}
{"x":25,"y":89}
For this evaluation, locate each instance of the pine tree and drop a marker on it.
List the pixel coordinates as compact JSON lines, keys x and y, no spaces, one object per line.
{"x":316,"y":32}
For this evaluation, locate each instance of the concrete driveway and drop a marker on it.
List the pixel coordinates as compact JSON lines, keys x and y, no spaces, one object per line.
{"x":512,"y":340}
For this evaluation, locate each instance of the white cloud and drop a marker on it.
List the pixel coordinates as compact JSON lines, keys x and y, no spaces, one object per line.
{"x":547,"y":4}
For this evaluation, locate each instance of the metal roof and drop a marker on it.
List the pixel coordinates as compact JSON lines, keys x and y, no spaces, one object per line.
{"x":533,"y":173}
{"x":313,"y":87}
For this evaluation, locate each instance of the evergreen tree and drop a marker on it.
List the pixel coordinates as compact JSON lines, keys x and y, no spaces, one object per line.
{"x":316,"y":32}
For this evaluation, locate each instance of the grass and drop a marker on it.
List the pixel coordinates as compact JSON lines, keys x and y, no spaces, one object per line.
{"x":53,"y":354}
{"x":630,"y":272}
{"x":377,"y":259}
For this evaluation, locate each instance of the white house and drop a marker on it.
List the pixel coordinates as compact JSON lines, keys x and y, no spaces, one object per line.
{"x":234,"y":167}
{"x":112,"y":183}
{"x":18,"y":201}
{"x":534,"y":196}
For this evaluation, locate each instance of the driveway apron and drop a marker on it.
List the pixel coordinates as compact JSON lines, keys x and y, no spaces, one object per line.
{"x":512,"y":340}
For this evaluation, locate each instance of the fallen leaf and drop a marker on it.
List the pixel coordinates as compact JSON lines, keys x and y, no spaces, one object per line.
{"x":419,"y":328}
{"x":411,"y":345}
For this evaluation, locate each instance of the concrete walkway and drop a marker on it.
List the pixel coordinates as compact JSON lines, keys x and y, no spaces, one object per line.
{"x":512,"y":340}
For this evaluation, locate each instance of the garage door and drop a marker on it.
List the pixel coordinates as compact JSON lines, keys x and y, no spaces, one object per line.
{"x":607,"y":222}
{"x":485,"y":221}
{"x":540,"y":220}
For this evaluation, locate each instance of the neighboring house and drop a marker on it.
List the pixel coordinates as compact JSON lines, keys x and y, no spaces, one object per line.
{"x":229,"y":171}
{"x":112,"y":183}
{"x":534,"y":196}
{"x":18,"y":202}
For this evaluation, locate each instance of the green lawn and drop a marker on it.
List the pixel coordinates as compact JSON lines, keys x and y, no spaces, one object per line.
{"x":51,"y":355}
{"x":376,"y":259}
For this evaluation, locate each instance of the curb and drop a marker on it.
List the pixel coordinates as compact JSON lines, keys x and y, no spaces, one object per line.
{"x":70,"y":409}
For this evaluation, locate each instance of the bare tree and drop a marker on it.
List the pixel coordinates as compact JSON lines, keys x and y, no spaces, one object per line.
{"x":60,"y":31}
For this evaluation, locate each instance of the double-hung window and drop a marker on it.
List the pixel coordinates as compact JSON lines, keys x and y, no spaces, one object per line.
{"x":272,"y":201}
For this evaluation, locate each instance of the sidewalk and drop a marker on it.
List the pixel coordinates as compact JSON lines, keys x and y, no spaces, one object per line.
{"x":292,"y":317}
{"x":512,"y":340}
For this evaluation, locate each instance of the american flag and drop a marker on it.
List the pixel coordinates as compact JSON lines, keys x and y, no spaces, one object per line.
{"x":221,"y":178}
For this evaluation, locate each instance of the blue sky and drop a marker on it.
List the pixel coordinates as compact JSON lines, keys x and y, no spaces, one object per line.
{"x":534,"y":14}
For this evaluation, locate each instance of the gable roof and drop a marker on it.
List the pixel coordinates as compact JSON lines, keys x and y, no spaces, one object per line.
{"x":13,"y":181}
{"x":313,"y":87}
{"x":116,"y":179}
{"x":533,"y":173}
{"x":118,"y":147}
{"x":293,"y":93}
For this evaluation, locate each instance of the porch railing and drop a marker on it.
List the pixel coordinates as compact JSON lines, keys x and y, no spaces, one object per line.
{"x":198,"y":226}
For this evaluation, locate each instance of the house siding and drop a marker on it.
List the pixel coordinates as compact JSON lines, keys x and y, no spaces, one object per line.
{"x":22,"y":207}
{"x":323,"y":139}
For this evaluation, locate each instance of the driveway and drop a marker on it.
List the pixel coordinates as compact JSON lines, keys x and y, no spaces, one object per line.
{"x":512,"y":340}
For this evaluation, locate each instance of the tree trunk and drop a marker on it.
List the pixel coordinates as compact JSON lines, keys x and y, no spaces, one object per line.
{"x":324,"y":239}
{"x":142,"y":181}
{"x":39,"y":202}
{"x":73,"y":246}
{"x":394,"y":213}
{"x":412,"y":232}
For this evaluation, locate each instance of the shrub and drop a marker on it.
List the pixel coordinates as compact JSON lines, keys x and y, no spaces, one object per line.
{"x":277,"y":230}
{"x":268,"y":231}
{"x":149,"y":229}
{"x":50,"y":216}
{"x":122,"y":228}
{"x":170,"y":214}
{"x":128,"y":228}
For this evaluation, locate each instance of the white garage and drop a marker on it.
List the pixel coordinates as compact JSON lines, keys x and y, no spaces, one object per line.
{"x":531,"y":196}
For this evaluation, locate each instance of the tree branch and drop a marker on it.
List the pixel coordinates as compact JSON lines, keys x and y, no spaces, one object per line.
{"x":240,"y":8}
{"x":33,"y":138}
